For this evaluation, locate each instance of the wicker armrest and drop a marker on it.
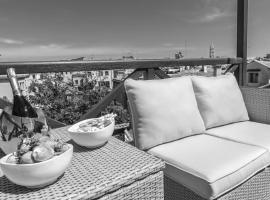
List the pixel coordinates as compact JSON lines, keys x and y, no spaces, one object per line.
{"x":257,"y":103}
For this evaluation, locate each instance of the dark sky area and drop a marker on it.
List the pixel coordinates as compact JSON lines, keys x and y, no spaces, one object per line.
{"x":63,"y":29}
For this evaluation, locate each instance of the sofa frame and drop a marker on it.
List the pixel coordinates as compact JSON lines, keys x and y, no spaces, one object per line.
{"x":258,"y":186}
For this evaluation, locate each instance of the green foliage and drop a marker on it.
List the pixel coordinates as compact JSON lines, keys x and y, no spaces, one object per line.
{"x":63,"y":102}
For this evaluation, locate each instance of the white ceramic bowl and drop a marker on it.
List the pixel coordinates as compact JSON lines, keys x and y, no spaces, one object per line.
{"x":91,"y":139}
{"x":37,"y":174}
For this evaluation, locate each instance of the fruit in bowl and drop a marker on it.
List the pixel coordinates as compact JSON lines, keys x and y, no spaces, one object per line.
{"x":93,"y":132}
{"x":38,"y":161}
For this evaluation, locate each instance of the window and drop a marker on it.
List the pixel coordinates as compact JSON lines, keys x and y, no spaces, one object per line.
{"x":101,"y":83}
{"x":21,"y":85}
{"x":104,"y":83}
{"x":106,"y":73}
{"x":107,"y":84}
{"x":76,"y":82}
{"x":253,"y":77}
{"x":100,"y":73}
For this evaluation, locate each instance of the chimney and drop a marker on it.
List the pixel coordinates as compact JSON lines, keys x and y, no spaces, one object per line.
{"x":217,"y":70}
{"x":204,"y":68}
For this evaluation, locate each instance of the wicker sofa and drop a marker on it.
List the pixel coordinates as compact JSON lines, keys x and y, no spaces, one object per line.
{"x":229,"y":161}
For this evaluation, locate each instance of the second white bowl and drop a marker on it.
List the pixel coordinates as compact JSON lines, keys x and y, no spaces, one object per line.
{"x":91,"y":139}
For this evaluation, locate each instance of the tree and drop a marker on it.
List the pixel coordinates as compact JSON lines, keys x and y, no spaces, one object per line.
{"x":63,"y":102}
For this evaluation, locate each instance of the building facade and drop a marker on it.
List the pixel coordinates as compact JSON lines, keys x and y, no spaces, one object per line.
{"x":258,"y":73}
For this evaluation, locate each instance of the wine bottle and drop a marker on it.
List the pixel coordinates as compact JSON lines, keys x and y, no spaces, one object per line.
{"x":22,"y":109}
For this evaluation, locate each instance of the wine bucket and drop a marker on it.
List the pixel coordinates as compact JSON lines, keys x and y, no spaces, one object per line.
{"x":9,"y":146}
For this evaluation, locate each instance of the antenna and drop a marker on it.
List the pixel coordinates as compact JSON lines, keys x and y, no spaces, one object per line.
{"x":186,"y":53}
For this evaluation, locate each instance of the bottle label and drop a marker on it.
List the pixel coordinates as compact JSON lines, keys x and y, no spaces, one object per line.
{"x":13,"y":81}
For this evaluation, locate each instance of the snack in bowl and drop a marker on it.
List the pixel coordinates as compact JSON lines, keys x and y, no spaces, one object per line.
{"x":38,"y":161}
{"x":93,"y":132}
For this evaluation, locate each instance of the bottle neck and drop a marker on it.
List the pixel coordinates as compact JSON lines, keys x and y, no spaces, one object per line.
{"x":14,"y":82}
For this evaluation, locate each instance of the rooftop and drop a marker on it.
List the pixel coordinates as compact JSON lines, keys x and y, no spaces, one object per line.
{"x":265,"y":63}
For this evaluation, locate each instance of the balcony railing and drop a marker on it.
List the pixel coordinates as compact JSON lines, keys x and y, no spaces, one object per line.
{"x":148,"y":69}
{"x":69,"y":66}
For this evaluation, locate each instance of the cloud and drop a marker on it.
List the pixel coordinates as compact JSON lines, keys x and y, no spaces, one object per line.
{"x":47,"y":51}
{"x":10,"y":41}
{"x":213,"y":15}
{"x":208,"y":14}
{"x":54,"y":51}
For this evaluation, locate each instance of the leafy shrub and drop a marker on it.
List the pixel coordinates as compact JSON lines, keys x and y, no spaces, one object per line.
{"x":63,"y":102}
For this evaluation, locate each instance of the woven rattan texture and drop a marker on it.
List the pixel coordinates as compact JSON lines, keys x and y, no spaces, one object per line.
{"x":149,"y":188}
{"x":256,"y":188}
{"x":92,"y":173}
{"x":257,"y":103}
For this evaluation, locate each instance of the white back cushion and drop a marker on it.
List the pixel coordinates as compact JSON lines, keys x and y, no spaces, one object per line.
{"x":219,"y":100}
{"x":163,"y":110}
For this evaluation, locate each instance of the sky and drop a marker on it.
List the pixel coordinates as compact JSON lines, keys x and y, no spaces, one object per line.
{"x":258,"y":28}
{"x":103,"y":29}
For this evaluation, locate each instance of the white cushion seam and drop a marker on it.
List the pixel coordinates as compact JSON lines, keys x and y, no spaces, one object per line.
{"x":132,"y":118}
{"x":248,"y":177}
{"x":218,"y":178}
{"x":237,"y":141}
{"x":210,"y":183}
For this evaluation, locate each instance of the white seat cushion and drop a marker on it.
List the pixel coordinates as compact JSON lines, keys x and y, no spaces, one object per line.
{"x":211,"y":166}
{"x":219,"y":100}
{"x":246,"y":132}
{"x":163,"y":110}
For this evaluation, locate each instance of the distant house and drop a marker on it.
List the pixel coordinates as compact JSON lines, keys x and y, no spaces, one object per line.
{"x":104,"y":78}
{"x":5,"y":89}
{"x":78,"y":59}
{"x":79,"y":79}
{"x":267,"y":56}
{"x":129,"y":57}
{"x":258,"y":73}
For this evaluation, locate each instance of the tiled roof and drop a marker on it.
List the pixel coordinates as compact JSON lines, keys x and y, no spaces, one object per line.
{"x":192,"y":73}
{"x":265,"y":63}
{"x":78,"y":75}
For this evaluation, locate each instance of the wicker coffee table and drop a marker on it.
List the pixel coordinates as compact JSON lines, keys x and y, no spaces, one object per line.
{"x":113,"y":171}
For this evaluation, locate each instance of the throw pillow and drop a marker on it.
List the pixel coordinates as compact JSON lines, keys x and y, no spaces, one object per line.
{"x":162,"y":110}
{"x":219,"y":100}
